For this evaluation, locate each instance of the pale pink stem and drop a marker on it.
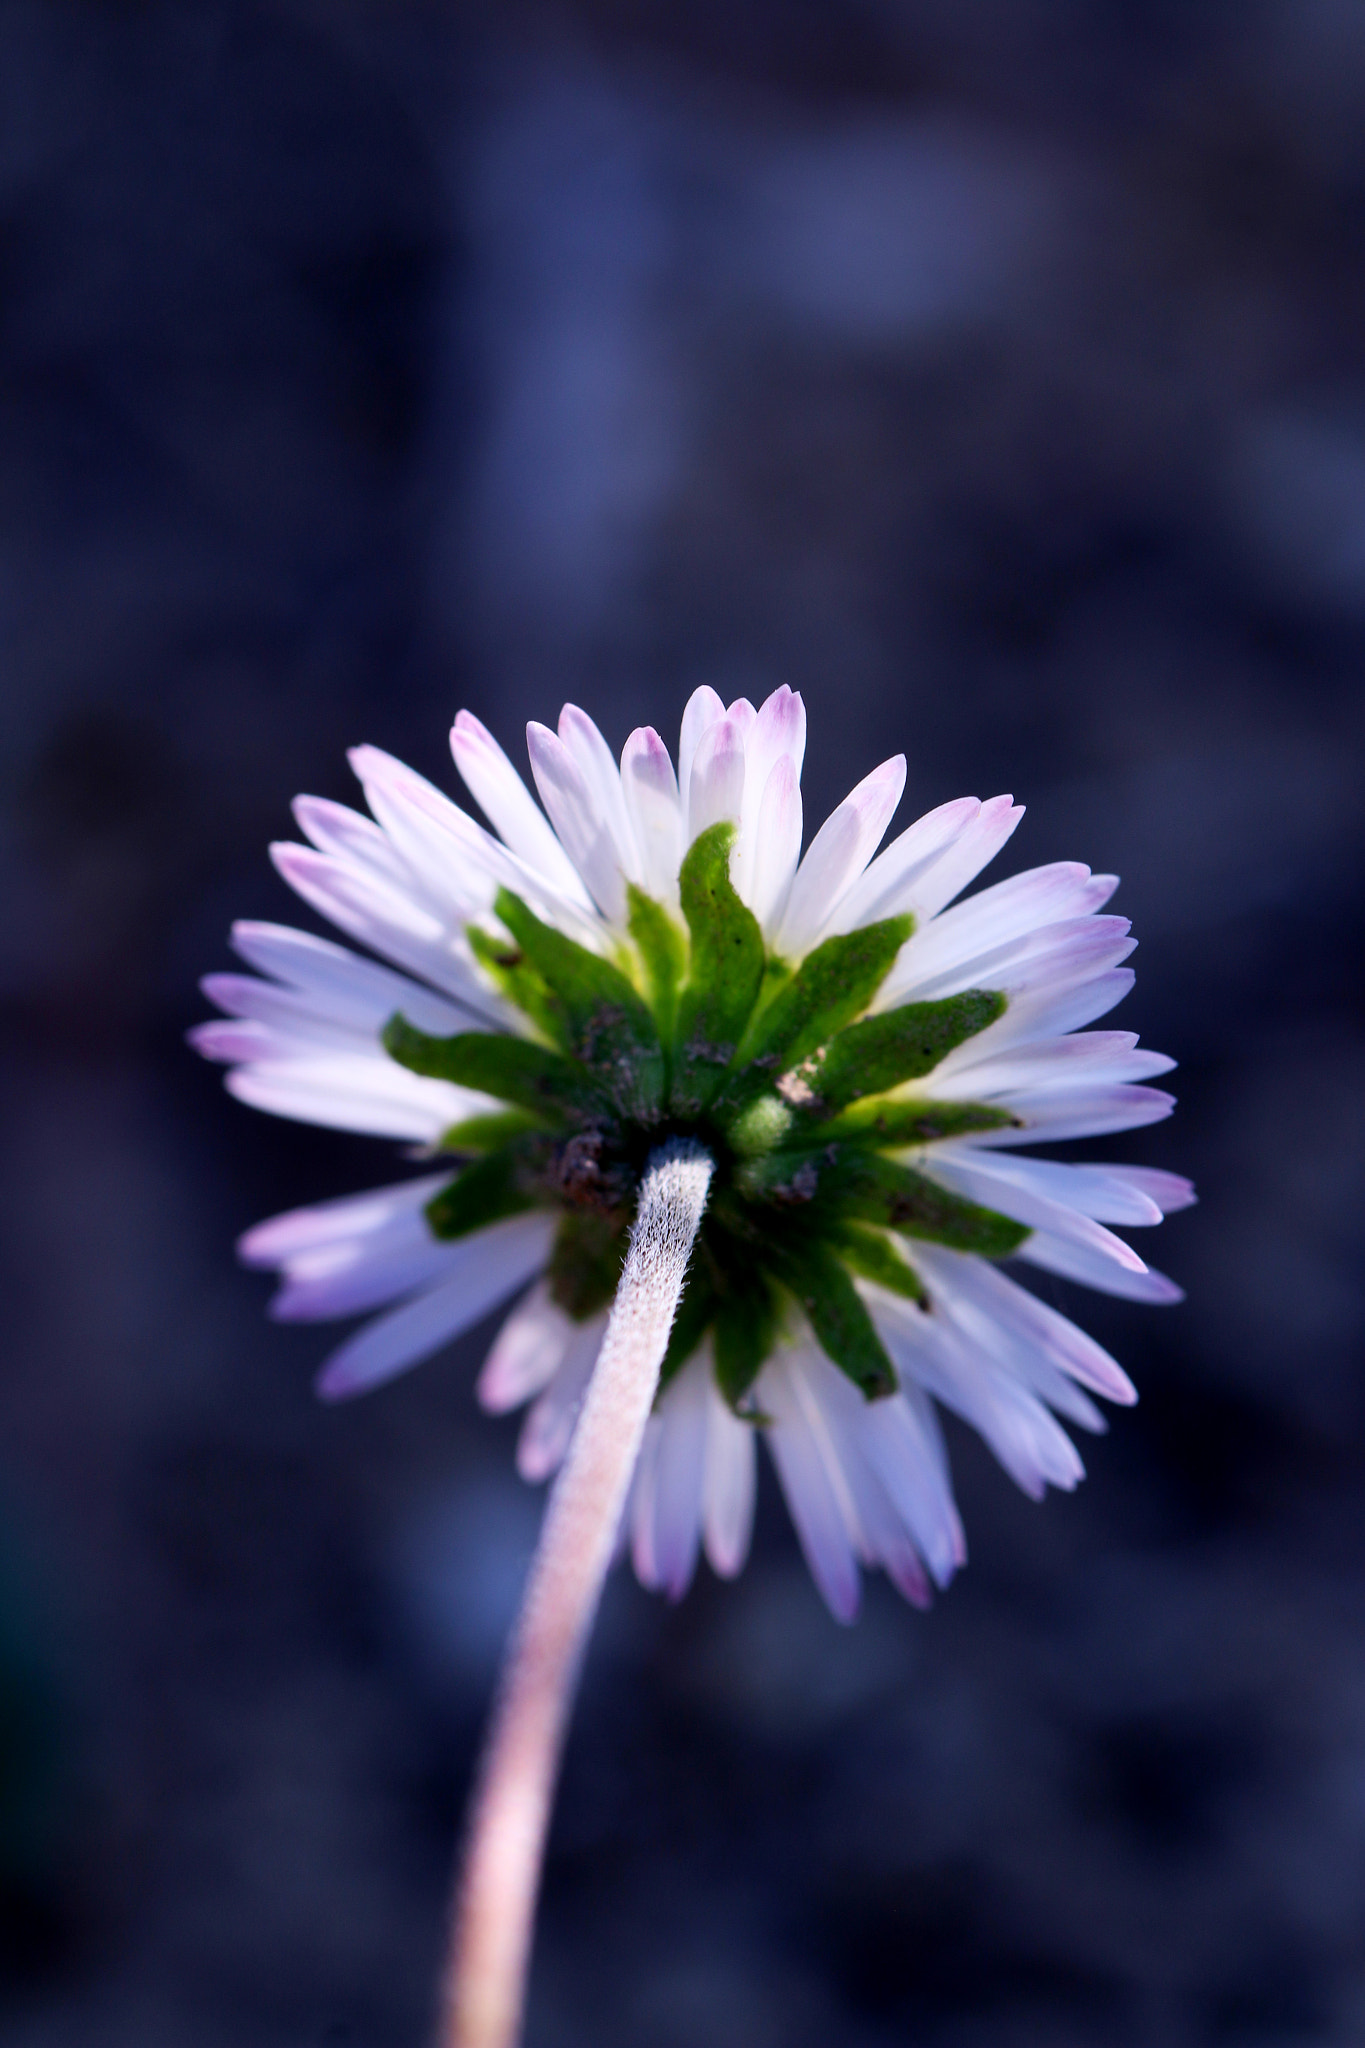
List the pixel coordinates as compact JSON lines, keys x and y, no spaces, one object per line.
{"x":496,"y":1899}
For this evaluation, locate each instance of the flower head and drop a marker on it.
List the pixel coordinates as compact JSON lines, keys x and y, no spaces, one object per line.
{"x":650,"y":956}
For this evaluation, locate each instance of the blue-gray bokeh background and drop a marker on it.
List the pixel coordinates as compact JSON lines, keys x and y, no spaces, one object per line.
{"x":993,"y":374}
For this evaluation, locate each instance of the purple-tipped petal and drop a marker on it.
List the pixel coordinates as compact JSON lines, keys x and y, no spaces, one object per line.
{"x":963,"y":859}
{"x":527,"y":1352}
{"x":704,"y":709}
{"x":729,"y":1486}
{"x":485,"y":1269}
{"x":603,"y":779}
{"x":546,"y":1431}
{"x":1092,"y":1269}
{"x":650,"y":789}
{"x":777,"y":846}
{"x":667,"y":1516}
{"x":799,"y":1441}
{"x":715,"y":790}
{"x":507,"y":803}
{"x":888,"y":887}
{"x":837,"y":857}
{"x":584,"y":832}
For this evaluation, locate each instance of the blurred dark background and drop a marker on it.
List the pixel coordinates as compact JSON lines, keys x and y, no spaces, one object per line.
{"x":991,"y":373}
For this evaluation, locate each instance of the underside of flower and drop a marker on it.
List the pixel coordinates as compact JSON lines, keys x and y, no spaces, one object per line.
{"x":858,"y":1054}
{"x":803,"y":1101}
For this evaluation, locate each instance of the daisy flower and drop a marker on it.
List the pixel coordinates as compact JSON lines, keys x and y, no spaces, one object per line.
{"x":860,"y":1053}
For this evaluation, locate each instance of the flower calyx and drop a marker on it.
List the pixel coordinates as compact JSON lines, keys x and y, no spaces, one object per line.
{"x":797,"y":1093}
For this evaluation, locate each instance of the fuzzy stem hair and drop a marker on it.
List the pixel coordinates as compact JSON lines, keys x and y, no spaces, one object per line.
{"x":495,"y":1901}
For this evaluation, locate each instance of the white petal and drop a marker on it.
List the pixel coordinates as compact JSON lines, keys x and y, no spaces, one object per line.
{"x":423,"y":865}
{"x":240,"y":1039}
{"x":348,"y":1280}
{"x":1167,"y":1192}
{"x":1007,"y":911}
{"x":485,"y":1269}
{"x":651,"y":797}
{"x":546,"y":1431}
{"x":458,"y":865}
{"x":1076,"y":947}
{"x":353,"y":1256}
{"x":715,"y":788}
{"x":1111,"y":1194}
{"x":668,"y":1531}
{"x":449,"y":851}
{"x":903,"y":1445}
{"x":882,"y":1534}
{"x":584,"y":832}
{"x":354,"y":1021}
{"x":527,"y":1352}
{"x":1088,"y":1059}
{"x":377,"y":911}
{"x":1089,"y":1190}
{"x":353,"y":839}
{"x":963,"y":859}
{"x":703,"y":709}
{"x":1016,"y":1352}
{"x":837,"y":856}
{"x":799,"y":1441}
{"x":1022,"y":1196}
{"x":637,"y":1523}
{"x":252,"y":1041}
{"x":505,"y":800}
{"x":958,"y":1276}
{"x":603,"y":778}
{"x":340,"y":982}
{"x":389,"y":924}
{"x":929,"y":1351}
{"x":1044,"y":1012}
{"x":888,"y":886}
{"x":375,"y":1213}
{"x":777,"y":847}
{"x":1046,"y":1117}
{"x":886,"y":1540}
{"x":343,"y":1093}
{"x":1079,"y":1262}
{"x":730,"y":1483}
{"x":778,"y":733}
{"x":455,"y":865}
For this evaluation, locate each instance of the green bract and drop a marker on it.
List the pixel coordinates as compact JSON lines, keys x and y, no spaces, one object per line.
{"x":804,"y":1102}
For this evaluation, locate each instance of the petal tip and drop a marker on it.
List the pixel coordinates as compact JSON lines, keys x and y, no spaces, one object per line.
{"x":334,"y":1383}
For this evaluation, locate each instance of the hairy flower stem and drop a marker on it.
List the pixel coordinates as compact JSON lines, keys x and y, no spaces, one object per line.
{"x":496,"y":1899}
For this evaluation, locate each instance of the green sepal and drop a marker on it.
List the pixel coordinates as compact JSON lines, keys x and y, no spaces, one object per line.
{"x":777,"y":972}
{"x":486,"y":1133}
{"x":597,"y":1013}
{"x":883,"y":1121}
{"x":745,"y":1326}
{"x":788,"y":1177}
{"x":838,"y":1315}
{"x":586,"y":1259}
{"x":503,"y":1184}
{"x":832,"y":985}
{"x":872,"y":1256}
{"x":663,"y":955}
{"x":514,"y":1070}
{"x":898,"y":1045}
{"x":725,"y":972}
{"x":508,"y":966}
{"x":868,"y":1187}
